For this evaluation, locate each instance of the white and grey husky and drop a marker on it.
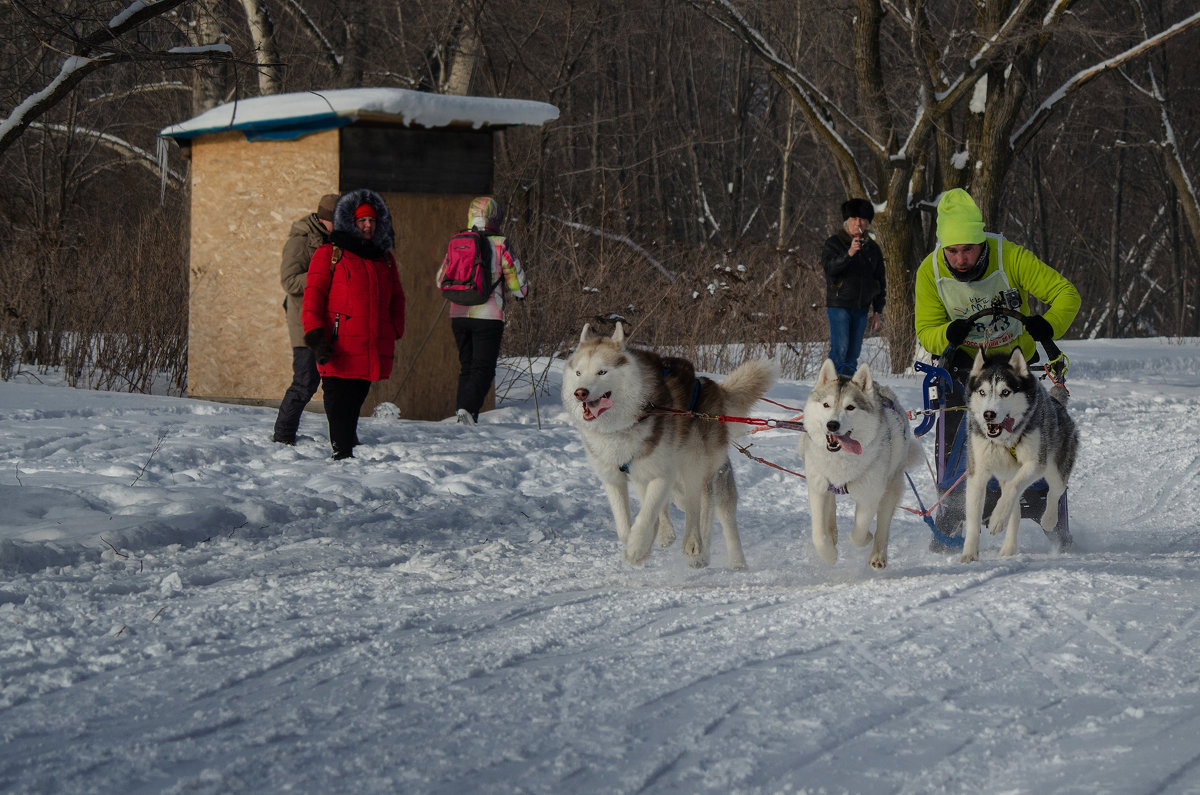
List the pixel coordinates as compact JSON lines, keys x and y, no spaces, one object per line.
{"x":1017,"y":434}
{"x":618,"y":396}
{"x":856,"y":441}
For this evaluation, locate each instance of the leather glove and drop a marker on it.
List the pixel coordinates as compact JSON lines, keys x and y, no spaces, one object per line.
{"x":319,"y":345}
{"x":1039,"y":328}
{"x":957,"y":331}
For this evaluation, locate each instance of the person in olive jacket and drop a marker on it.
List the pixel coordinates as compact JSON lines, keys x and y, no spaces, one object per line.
{"x":353,"y":311}
{"x":306,"y":236}
{"x":855,"y":286}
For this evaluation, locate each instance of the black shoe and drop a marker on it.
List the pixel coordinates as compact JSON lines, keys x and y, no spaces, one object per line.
{"x":937,"y":546}
{"x":949,"y":523}
{"x":1060,"y":537}
{"x":279,"y":440}
{"x":340,"y":453}
{"x":1033,"y":505}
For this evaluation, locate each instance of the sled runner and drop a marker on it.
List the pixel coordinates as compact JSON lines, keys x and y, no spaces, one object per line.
{"x":944,"y":397}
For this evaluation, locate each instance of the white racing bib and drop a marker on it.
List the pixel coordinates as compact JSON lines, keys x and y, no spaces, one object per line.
{"x":963,"y":299}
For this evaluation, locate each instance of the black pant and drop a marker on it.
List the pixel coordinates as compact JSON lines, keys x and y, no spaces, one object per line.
{"x":344,"y":398}
{"x":305,"y":381}
{"x":478,"y":349}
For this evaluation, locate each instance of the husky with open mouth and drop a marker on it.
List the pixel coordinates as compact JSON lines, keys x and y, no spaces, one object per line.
{"x":1017,"y":433}
{"x":856,"y":441}
{"x":622,"y":400}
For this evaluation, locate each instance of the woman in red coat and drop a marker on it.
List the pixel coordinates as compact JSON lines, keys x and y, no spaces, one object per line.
{"x":353,"y":311}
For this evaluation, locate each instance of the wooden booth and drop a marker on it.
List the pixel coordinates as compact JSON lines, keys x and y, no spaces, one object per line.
{"x":259,"y":164}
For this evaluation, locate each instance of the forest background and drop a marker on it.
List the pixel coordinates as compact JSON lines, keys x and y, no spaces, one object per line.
{"x":701,"y":154}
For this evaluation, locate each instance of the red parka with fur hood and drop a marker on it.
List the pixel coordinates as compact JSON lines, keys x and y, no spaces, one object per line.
{"x":358,"y":300}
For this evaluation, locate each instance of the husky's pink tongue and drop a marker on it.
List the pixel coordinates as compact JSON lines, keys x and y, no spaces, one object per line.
{"x":594,"y":408}
{"x":850,"y":444}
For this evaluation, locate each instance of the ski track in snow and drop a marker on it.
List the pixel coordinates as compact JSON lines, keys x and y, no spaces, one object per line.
{"x":186,"y":606}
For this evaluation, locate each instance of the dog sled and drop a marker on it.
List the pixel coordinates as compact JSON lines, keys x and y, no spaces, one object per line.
{"x":944,"y":396}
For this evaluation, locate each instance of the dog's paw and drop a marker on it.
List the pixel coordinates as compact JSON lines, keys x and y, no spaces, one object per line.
{"x":861,"y":540}
{"x":969,"y":557}
{"x":1008,"y":550}
{"x":827,"y":553}
{"x":666,"y":535}
{"x":636,"y":557}
{"x":879,"y":561}
{"x":698,"y":563}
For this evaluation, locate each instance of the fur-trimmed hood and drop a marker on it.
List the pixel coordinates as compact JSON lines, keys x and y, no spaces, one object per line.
{"x":345,"y":233}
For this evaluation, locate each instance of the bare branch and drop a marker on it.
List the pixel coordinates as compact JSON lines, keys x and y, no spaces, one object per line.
{"x":618,"y":239}
{"x":130,"y":152}
{"x":822,"y":113}
{"x":91,"y":54}
{"x":1034,"y":123}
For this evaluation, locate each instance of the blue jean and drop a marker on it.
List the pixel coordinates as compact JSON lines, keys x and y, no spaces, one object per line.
{"x":846,"y":329}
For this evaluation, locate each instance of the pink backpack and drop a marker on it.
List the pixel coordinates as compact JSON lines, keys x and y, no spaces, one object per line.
{"x":467,"y":277}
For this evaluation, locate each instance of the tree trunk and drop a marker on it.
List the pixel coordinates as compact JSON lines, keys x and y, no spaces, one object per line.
{"x":266,"y":55}
{"x":462,"y":68}
{"x":211,"y":83}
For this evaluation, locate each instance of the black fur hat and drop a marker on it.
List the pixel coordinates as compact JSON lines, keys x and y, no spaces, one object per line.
{"x":345,"y":234}
{"x":858,"y":208}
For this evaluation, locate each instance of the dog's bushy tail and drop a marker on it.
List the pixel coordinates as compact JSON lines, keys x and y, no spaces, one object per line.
{"x":748,"y":382}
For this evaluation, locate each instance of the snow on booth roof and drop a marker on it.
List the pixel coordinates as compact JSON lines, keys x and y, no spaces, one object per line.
{"x":285,"y":116}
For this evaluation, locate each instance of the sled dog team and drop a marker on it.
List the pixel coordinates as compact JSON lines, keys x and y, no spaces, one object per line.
{"x":634,"y":410}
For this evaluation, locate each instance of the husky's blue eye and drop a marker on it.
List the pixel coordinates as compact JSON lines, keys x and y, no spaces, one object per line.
{"x":601,"y":372}
{"x":1005,"y":393}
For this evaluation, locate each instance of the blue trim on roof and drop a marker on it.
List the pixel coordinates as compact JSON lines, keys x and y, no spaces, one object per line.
{"x":275,"y":129}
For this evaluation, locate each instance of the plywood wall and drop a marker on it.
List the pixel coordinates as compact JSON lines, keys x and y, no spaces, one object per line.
{"x":245,"y":197}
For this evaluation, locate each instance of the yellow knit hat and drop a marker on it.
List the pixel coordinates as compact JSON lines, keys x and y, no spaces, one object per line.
{"x":958,"y":219}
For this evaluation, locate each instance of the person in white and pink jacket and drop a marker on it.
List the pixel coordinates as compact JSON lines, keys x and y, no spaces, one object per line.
{"x":479,"y":329}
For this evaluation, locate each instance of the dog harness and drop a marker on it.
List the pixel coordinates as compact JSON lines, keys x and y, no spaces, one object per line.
{"x":691,"y":407}
{"x":963,"y":299}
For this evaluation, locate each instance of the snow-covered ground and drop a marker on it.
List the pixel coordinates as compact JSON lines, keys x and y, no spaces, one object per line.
{"x":187,"y":607}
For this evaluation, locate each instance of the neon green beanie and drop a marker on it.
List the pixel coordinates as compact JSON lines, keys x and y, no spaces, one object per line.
{"x":958,"y":219}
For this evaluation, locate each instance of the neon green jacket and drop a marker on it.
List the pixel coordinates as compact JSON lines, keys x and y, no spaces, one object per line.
{"x":1025,"y":272}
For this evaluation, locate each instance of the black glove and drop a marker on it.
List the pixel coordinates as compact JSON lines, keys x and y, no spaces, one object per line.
{"x":957,"y":331}
{"x":319,"y":345}
{"x":1039,"y":328}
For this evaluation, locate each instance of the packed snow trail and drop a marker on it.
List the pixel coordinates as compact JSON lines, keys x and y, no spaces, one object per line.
{"x":186,"y":606}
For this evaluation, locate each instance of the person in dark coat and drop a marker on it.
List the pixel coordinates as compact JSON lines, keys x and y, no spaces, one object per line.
{"x":855,"y":285}
{"x":306,"y":236}
{"x":353,"y":311}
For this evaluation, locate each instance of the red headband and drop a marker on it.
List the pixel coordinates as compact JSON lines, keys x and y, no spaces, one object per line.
{"x":364,"y":210}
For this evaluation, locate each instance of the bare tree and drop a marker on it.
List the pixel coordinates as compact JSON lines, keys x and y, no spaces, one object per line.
{"x":266,"y":53}
{"x":965,"y":128}
{"x":86,"y":54}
